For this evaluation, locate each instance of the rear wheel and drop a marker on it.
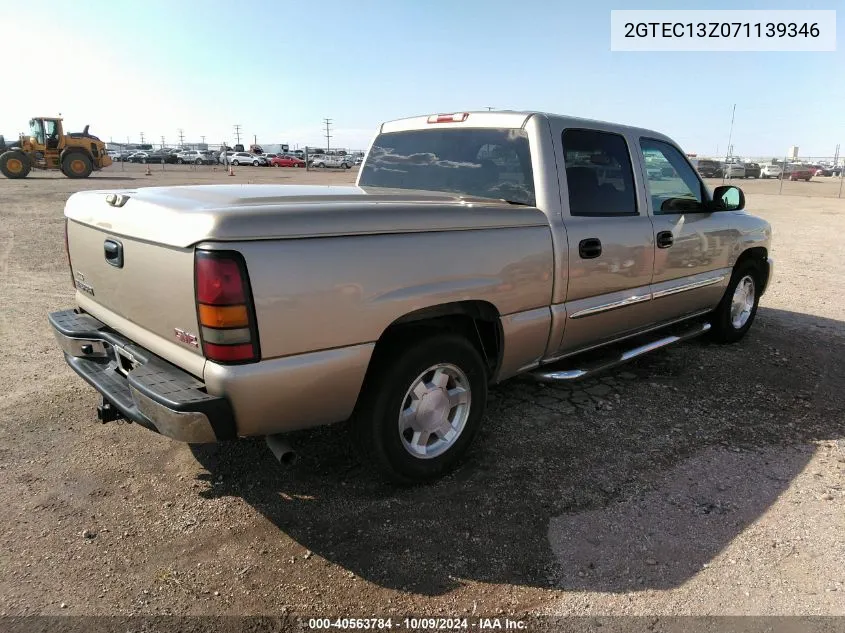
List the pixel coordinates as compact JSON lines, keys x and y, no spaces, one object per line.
{"x":235,"y":163}
{"x":14,"y":164}
{"x":78,"y":165}
{"x":421,"y":407}
{"x":198,"y":161}
{"x":735,"y":313}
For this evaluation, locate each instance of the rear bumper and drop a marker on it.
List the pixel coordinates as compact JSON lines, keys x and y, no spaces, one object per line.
{"x":142,"y":386}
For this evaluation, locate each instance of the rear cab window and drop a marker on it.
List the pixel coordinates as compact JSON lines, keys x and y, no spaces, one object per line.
{"x":475,"y":162}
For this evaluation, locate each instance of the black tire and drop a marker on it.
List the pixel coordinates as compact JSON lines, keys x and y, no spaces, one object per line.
{"x":375,"y":423}
{"x":198,"y":161}
{"x":724,"y":329}
{"x":255,"y":163}
{"x":344,"y":166}
{"x":180,"y":161}
{"x":235,"y":163}
{"x":15,"y":164}
{"x":77,"y":165}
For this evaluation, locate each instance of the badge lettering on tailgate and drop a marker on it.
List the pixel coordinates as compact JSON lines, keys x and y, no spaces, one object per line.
{"x":81,"y":285}
{"x":186,"y":337}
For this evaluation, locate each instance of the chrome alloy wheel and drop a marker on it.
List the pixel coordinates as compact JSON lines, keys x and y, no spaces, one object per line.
{"x":434,"y":411}
{"x":743,"y":302}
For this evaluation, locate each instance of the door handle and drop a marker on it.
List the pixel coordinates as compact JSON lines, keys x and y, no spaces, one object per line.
{"x":665,"y":239}
{"x":113,"y":251}
{"x":589,"y":248}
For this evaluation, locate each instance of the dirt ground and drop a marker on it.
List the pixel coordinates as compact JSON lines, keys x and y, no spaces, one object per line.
{"x":700,"y":480}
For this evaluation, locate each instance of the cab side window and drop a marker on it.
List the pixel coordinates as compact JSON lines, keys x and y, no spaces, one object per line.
{"x":599,"y":175}
{"x":672,"y":183}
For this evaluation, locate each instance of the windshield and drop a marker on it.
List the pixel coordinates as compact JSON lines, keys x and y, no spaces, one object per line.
{"x":489,"y":163}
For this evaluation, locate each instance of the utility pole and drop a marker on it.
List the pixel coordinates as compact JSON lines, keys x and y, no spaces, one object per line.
{"x":836,"y":156}
{"x":730,"y":138}
{"x":203,"y":139}
{"x":162,"y":142}
{"x":181,"y":137}
{"x":237,"y":127}
{"x":142,"y":138}
{"x":489,"y":108}
{"x":328,"y":124}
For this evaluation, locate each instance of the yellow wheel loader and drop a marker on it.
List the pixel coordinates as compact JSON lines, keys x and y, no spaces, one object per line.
{"x":48,"y":147}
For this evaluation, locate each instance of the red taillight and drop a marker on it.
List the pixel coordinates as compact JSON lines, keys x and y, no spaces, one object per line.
{"x":224,"y":299}
{"x":219,"y":281}
{"x":458,"y":117}
{"x":67,"y":253}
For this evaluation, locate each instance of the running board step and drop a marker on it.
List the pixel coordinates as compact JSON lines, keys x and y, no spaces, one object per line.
{"x":589,"y":363}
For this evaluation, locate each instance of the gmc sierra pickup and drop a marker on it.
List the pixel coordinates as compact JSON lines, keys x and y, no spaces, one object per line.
{"x":474,"y":247}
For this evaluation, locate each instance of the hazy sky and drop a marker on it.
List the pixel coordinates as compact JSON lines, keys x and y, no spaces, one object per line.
{"x":278,"y":68}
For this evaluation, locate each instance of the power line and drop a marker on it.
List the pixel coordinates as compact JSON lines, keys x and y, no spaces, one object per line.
{"x":237,"y":127}
{"x":328,"y":123}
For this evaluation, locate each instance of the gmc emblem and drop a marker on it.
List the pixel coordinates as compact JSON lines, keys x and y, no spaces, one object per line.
{"x":186,"y":337}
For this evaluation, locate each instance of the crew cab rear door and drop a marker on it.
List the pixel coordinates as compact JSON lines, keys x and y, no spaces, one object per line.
{"x":610,"y":237}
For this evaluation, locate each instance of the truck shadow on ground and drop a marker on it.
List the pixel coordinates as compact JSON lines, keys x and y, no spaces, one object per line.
{"x":633,"y":480}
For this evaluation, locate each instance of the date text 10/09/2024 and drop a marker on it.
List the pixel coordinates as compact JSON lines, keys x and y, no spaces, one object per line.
{"x":418,"y":624}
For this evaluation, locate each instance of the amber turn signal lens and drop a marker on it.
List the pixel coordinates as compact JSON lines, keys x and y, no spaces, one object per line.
{"x":223,"y":316}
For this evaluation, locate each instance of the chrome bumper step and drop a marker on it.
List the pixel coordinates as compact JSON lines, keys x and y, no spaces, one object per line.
{"x":591,"y":362}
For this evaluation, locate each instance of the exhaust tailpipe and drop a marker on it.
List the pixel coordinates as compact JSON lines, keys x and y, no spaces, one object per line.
{"x":281,"y":450}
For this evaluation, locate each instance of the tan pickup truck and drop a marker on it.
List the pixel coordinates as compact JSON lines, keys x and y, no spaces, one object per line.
{"x":475,"y":247}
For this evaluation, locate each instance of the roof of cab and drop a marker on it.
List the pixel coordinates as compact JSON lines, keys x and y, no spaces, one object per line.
{"x":506,"y":119}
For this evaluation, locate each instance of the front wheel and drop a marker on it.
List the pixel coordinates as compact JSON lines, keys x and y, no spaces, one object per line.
{"x":235,"y":163}
{"x":255,"y":163}
{"x":735,"y":313}
{"x":198,"y":161}
{"x":421,"y":407}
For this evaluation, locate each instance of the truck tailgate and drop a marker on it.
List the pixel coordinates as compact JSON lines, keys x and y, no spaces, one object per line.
{"x":141,"y":289}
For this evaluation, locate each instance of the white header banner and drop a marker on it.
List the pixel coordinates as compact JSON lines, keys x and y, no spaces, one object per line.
{"x":723,"y":30}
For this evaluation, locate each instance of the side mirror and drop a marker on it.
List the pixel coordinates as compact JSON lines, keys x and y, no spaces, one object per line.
{"x":728,"y":198}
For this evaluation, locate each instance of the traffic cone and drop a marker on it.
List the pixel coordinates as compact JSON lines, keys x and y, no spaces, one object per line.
{"x":231,"y":170}
{"x":148,"y":172}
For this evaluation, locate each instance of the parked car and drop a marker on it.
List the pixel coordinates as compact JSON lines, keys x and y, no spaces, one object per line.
{"x":265,"y":315}
{"x":157,"y":156}
{"x":328,"y":160}
{"x":228,"y":154}
{"x":797,"y":171}
{"x":197,"y":157}
{"x":770,"y":170}
{"x":245,"y":158}
{"x":709,"y":168}
{"x":752,"y":170}
{"x":287,"y":161}
{"x":139,"y":157}
{"x":734,"y":169}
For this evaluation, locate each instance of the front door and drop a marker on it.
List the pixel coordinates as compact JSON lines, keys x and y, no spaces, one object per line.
{"x":692,"y":245}
{"x":611,"y":251}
